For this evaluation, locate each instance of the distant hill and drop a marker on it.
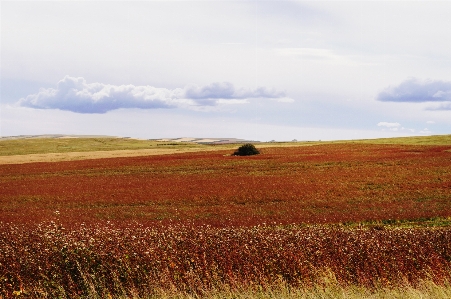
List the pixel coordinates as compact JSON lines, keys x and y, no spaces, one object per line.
{"x":181,"y":139}
{"x":208,"y":140}
{"x":54,"y":136}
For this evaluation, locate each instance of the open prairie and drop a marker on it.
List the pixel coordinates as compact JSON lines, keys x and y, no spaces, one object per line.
{"x":371,"y":214}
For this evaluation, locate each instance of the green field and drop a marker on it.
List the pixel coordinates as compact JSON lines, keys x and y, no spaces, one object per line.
{"x":65,"y":145}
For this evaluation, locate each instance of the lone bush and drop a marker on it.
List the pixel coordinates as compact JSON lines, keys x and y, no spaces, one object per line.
{"x":246,"y":150}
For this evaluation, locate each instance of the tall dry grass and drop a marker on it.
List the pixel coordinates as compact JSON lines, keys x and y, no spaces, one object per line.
{"x":50,"y":261}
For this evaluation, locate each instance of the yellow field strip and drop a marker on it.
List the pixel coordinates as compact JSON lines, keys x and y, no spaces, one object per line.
{"x":73,"y":156}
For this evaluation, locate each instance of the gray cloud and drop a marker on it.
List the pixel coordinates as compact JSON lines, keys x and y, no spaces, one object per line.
{"x":443,"y":106}
{"x":76,"y":95}
{"x":225,"y":90}
{"x":416,"y":91}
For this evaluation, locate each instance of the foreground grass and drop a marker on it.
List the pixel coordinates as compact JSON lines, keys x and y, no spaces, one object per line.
{"x":117,"y":261}
{"x":329,"y":290}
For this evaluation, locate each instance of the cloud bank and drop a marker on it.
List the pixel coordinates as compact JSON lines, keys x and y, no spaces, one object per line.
{"x":76,"y":95}
{"x":417,"y":91}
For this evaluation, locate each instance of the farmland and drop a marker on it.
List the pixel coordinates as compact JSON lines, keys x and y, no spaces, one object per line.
{"x":368,"y":214}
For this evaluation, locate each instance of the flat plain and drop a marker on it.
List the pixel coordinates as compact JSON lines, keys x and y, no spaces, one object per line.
{"x":192,"y":220}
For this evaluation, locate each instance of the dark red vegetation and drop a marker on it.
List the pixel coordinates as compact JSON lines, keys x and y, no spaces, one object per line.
{"x":199,"y":221}
{"x":311,"y":184}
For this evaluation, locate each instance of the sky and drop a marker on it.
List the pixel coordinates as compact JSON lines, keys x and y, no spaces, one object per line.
{"x":256,"y":70}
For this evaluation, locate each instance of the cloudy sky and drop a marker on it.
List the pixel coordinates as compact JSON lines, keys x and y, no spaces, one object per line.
{"x":259,"y":70}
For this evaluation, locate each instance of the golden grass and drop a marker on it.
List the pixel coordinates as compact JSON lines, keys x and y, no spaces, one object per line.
{"x":18,"y":151}
{"x":416,"y":140}
{"x":326,"y":287}
{"x":66,"y":145}
{"x":329,"y":289}
{"x":73,"y":156}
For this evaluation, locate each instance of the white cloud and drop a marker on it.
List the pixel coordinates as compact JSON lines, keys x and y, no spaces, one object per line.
{"x":316,"y":54}
{"x":388,"y":125}
{"x":425,"y":131}
{"x":394,"y":127}
{"x":285,"y":100}
{"x":232,"y":102}
{"x":76,"y":95}
{"x":430,"y":122}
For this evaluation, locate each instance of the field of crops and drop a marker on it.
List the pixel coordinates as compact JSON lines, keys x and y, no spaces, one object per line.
{"x":313,"y":184}
{"x":369,"y":215}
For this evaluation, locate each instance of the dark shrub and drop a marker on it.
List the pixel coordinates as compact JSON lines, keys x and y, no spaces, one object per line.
{"x":246,"y":150}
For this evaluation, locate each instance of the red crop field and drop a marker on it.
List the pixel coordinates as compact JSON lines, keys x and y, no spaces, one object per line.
{"x":312,"y":184}
{"x":198,"y":221}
